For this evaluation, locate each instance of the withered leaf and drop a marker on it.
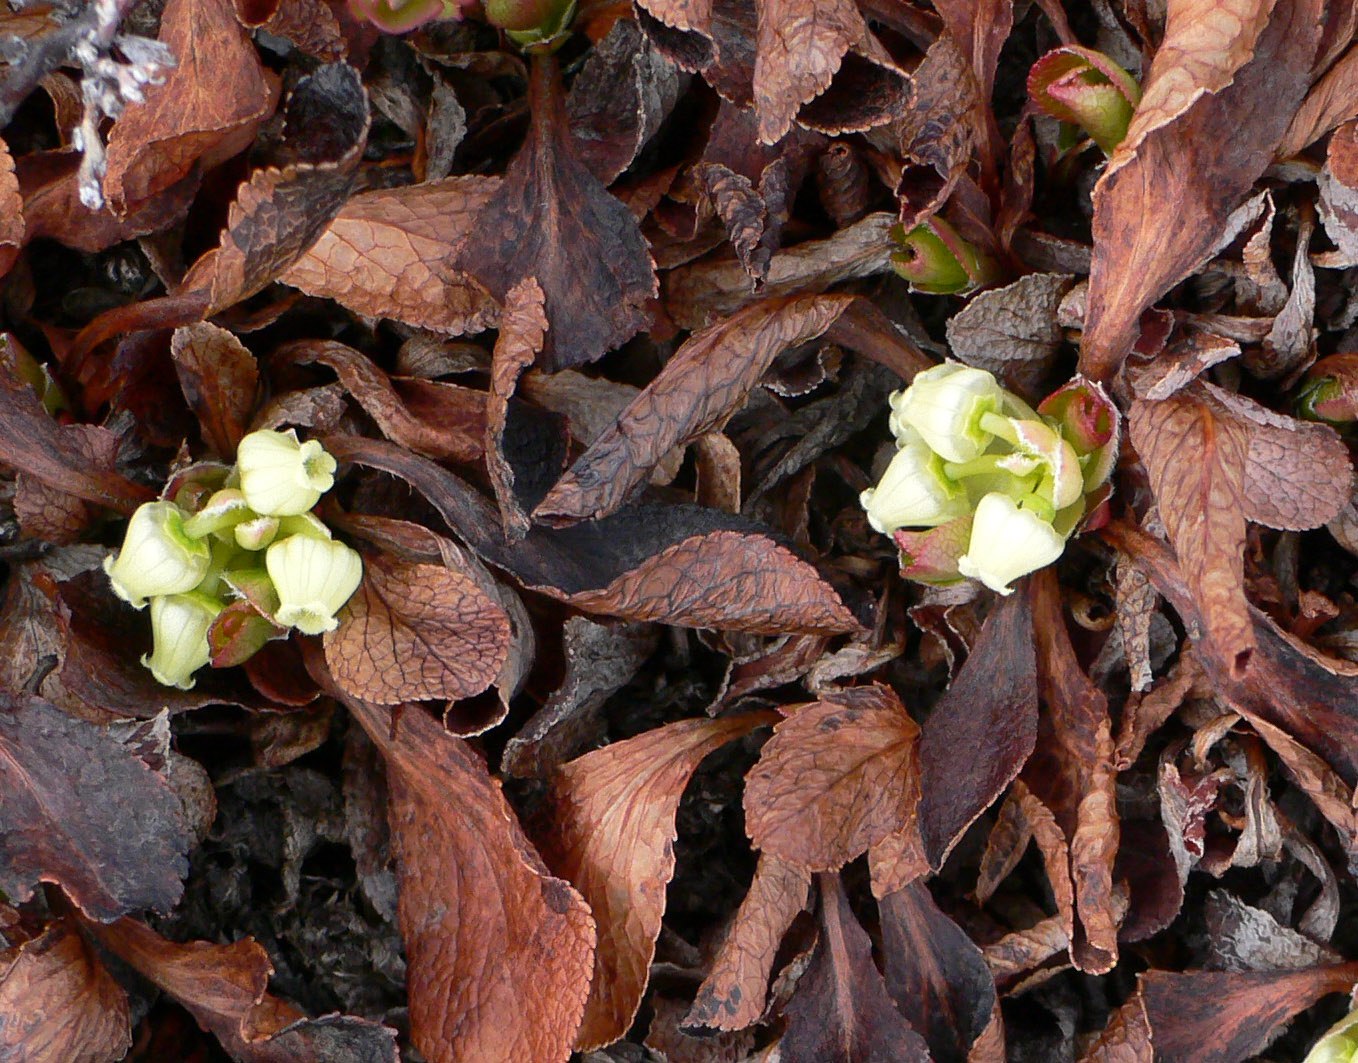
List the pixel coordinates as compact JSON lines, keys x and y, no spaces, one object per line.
{"x":981,"y":731}
{"x":1194,"y":170}
{"x":428,"y":416}
{"x":46,"y":512}
{"x":1327,"y":105}
{"x":206,"y":110}
{"x":612,"y":836}
{"x":499,"y":952}
{"x":1212,"y":1016}
{"x":936,"y":974}
{"x":58,"y":1004}
{"x":836,"y":777}
{"x":309,"y":24}
{"x":677,"y":564}
{"x":841,"y":1012}
{"x":122,"y":852}
{"x":1196,"y":462}
{"x":552,"y":219}
{"x":11,"y":211}
{"x":1338,"y":203}
{"x":1012,"y":331}
{"x":703,"y":384}
{"x":225,"y":988}
{"x":416,"y":632}
{"x":980,"y":28}
{"x":219,"y":378}
{"x":385,"y":255}
{"x":733,"y":993}
{"x":522,"y":329}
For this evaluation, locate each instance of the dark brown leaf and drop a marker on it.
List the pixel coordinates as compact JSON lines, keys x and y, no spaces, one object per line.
{"x":58,"y":1004}
{"x":1013,"y":331}
{"x":309,"y":24}
{"x":523,"y":327}
{"x":416,"y":632}
{"x":990,"y":712}
{"x":219,"y":378}
{"x":118,"y":853}
{"x":551,"y":219}
{"x":47,"y":513}
{"x":612,"y":836}
{"x":836,"y":777}
{"x":11,"y":211}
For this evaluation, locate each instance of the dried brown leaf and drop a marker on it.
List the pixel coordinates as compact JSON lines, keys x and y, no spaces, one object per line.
{"x":120,"y":853}
{"x":1338,"y":185}
{"x":1196,"y":460}
{"x":733,"y":994}
{"x":309,"y":24}
{"x":836,"y":777}
{"x":11,"y":211}
{"x":219,"y":378}
{"x":980,"y":28}
{"x":522,"y":329}
{"x":385,"y":255}
{"x":613,"y":838}
{"x":416,"y":632}
{"x":698,"y":389}
{"x":1327,"y":105}
{"x":207,"y":109}
{"x":1012,"y":331}
{"x":58,"y":1004}
{"x":48,"y":513}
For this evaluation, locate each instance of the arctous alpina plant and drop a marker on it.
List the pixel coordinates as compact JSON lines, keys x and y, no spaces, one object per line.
{"x":253,"y":539}
{"x":984,"y":486}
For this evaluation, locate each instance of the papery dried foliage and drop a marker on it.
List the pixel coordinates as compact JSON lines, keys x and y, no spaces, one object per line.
{"x":699,"y":388}
{"x":416,"y":632}
{"x":734,"y":992}
{"x":207,"y":109}
{"x":836,"y":777}
{"x":51,"y":514}
{"x":219,"y":379}
{"x":1195,"y":168}
{"x":499,"y":952}
{"x":312,"y":25}
{"x":225,"y":988}
{"x":11,"y":211}
{"x":841,"y":1011}
{"x":58,"y":1004}
{"x":551,"y":219}
{"x":1012,"y":331}
{"x":522,"y":330}
{"x":612,"y":836}
{"x":386,"y":254}
{"x":938,"y":133}
{"x":989,"y":710}
{"x":122,"y":852}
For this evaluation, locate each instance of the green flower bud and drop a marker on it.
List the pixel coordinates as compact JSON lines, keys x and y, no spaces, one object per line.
{"x":157,"y":556}
{"x":1339,"y":1044}
{"x":314,"y":578}
{"x":1087,"y":89}
{"x":220,"y":513}
{"x":257,"y":533}
{"x":400,"y":16}
{"x":179,"y":626}
{"x":281,"y":477}
{"x":913,"y":493}
{"x":937,"y":261}
{"x":1008,"y":542}
{"x":534,"y":25}
{"x":945,"y":405}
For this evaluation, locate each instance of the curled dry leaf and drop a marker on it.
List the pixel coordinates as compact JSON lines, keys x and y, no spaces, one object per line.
{"x":225,"y":988}
{"x":523,"y":327}
{"x":551,"y":219}
{"x":1013,"y":331}
{"x":219,"y":379}
{"x":732,"y":995}
{"x":58,"y":1004}
{"x":11,"y":211}
{"x":700,"y":387}
{"x":499,"y":952}
{"x":1338,"y":204}
{"x":989,"y":710}
{"x":416,"y":632}
{"x":208,"y":108}
{"x":836,"y":777}
{"x":121,"y":853}
{"x":841,"y":1011}
{"x":612,"y":836}
{"x":385,"y":254}
{"x":54,"y":515}
{"x":311,"y":25}
{"x":1180,"y":171}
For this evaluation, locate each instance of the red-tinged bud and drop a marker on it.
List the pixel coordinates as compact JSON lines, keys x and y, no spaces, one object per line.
{"x":1088,"y":420}
{"x":1087,"y":89}
{"x":1330,"y":391}
{"x":931,"y":556}
{"x":937,"y":261}
{"x":534,"y":25}
{"x":401,"y":16}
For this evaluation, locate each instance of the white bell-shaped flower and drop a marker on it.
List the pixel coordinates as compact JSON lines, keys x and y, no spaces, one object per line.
{"x":280,"y":476}
{"x":157,"y":556}
{"x":913,"y":493}
{"x":313,"y":578}
{"x":179,"y":626}
{"x":1008,"y":542}
{"x":1062,"y":476}
{"x":945,"y":405}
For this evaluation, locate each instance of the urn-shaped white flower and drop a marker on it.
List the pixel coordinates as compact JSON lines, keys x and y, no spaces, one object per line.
{"x":945,"y":405}
{"x":179,"y":626}
{"x":157,"y":556}
{"x":1007,"y":542}
{"x":313,"y":578}
{"x":281,"y":477}
{"x":913,"y":493}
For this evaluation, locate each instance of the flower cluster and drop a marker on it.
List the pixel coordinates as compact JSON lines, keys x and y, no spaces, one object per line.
{"x":1340,"y":1043}
{"x":999,"y":486}
{"x":242,"y":539}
